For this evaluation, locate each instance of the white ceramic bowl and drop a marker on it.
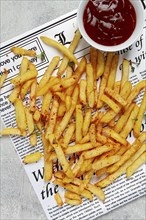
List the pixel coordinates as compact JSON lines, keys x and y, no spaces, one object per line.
{"x":137,"y":31}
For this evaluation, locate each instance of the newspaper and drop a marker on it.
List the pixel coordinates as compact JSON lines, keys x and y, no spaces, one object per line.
{"x":120,"y":192}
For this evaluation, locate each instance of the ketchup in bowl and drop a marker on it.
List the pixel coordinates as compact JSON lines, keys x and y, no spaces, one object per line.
{"x":109,"y":22}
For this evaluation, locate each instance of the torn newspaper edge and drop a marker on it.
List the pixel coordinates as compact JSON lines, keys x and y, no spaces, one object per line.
{"x":120,"y":192}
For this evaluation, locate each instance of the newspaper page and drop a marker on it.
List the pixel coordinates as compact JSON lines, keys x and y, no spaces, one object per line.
{"x":122,"y":190}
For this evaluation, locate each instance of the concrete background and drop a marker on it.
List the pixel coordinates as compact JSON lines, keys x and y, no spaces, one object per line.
{"x":18,"y":200}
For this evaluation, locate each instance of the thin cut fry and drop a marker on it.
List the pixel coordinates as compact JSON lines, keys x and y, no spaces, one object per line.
{"x":79,"y":123}
{"x":113,"y":70}
{"x":125,"y":72}
{"x":10,"y":131}
{"x":3,"y":78}
{"x":32,"y":158}
{"x":58,"y":199}
{"x":23,"y":52}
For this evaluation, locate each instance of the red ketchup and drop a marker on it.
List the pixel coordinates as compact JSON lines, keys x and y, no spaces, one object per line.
{"x":109,"y":22}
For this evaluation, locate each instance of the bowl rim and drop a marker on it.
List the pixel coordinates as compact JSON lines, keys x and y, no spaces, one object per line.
{"x":136,"y":33}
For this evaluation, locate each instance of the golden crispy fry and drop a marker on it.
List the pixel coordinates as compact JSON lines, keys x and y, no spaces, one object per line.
{"x":30,"y":74}
{"x":10,"y":131}
{"x":46,"y":104}
{"x":113,"y":70}
{"x":85,"y":139}
{"x":90,"y":85}
{"x":68,"y":102}
{"x":71,"y":48}
{"x":138,"y":120}
{"x":79,"y":123}
{"x":130,"y":122}
{"x":105,"y":76}
{"x":86,"y":122}
{"x":62,"y":109}
{"x":135,"y":91}
{"x":97,"y":151}
{"x":69,"y":72}
{"x":134,"y":147}
{"x":52,"y":65}
{"x":52,"y":118}
{"x":68,"y":135}
{"x":123,"y":119}
{"x":117,"y":86}
{"x":111,"y":133}
{"x":20,"y":115}
{"x":92,"y":134}
{"x":33,"y":90}
{"x":67,"y":115}
{"x":70,"y":195}
{"x":33,"y":139}
{"x":24,"y":66}
{"x":109,"y":179}
{"x":14,"y":94}
{"x":105,"y":162}
{"x":116,"y":108}
{"x":73,"y":201}
{"x":32,"y":158}
{"x":86,"y":180}
{"x":37,"y":115}
{"x":125,"y":72}
{"x":85,"y":166}
{"x":52,"y":82}
{"x":3,"y":78}
{"x":60,"y":47}
{"x":25,"y":87}
{"x":115,"y":96}
{"x":58,"y":199}
{"x":96,"y":191}
{"x":136,"y":164}
{"x":82,"y":94}
{"x":78,"y":148}
{"x":30,"y":121}
{"x":23,"y":52}
{"x":100,"y":64}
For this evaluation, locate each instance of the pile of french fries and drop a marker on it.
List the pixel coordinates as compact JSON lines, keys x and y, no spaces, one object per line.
{"x":85,"y":106}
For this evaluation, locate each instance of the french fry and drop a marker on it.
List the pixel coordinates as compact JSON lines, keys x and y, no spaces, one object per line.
{"x":109,"y":179}
{"x":70,"y":195}
{"x":85,"y":139}
{"x":30,"y":74}
{"x":135,"y":91}
{"x":117,"y":86}
{"x":86,"y":180}
{"x":46,"y":104}
{"x":86,"y":122}
{"x":82,"y":93}
{"x":96,"y":191}
{"x":105,"y":76}
{"x":24,"y":66}
{"x":32,"y":158}
{"x":36,"y":115}
{"x":113,"y":70}
{"x":3,"y":78}
{"x":33,"y":139}
{"x":52,"y":65}
{"x":60,"y":47}
{"x":48,"y":86}
{"x":78,"y":148}
{"x":67,"y":115}
{"x":71,"y":48}
{"x":52,"y":118}
{"x":14,"y":94}
{"x":116,"y":108}
{"x":111,"y":133}
{"x":69,"y":72}
{"x":100,"y":64}
{"x":23,"y":52}
{"x":62,"y":109}
{"x":90,"y":85}
{"x":58,"y":199}
{"x":101,"y":172}
{"x":10,"y":131}
{"x":97,"y":151}
{"x":138,"y":120}
{"x":115,"y":96}
{"x":123,"y":119}
{"x":105,"y":162}
{"x":73,"y":201}
{"x":25,"y":87}
{"x":33,"y":90}
{"x":92,"y":134}
{"x":30,"y":121}
{"x":20,"y":115}
{"x":67,"y":102}
{"x":130,"y":122}
{"x":68,"y":135}
{"x":125,"y":72}
{"x":79,"y":123}
{"x":84,"y":166}
{"x":136,"y":164}
{"x":135,"y":146}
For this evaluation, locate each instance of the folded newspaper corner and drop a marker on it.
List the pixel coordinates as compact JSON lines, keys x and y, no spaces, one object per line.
{"x":122,"y":190}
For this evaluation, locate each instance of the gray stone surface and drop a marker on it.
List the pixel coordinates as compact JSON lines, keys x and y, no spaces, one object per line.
{"x":18,"y":199}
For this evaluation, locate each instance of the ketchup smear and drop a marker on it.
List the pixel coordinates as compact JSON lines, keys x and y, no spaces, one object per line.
{"x":109,"y":22}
